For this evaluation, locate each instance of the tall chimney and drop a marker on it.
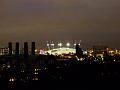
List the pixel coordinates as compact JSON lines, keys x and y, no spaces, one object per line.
{"x":17,"y":48}
{"x":33,"y":48}
{"x":10,"y":48}
{"x":25,"y":48}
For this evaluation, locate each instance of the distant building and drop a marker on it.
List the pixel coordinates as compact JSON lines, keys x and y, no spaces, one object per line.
{"x":4,"y":51}
{"x":79,"y":52}
{"x":98,"y":50}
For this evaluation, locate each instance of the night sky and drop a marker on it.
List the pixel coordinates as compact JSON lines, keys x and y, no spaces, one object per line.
{"x":92,"y":21}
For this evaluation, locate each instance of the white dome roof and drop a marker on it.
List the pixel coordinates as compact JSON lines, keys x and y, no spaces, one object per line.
{"x":62,"y":50}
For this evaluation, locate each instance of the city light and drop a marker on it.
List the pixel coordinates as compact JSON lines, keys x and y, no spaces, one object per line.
{"x":52,"y":44}
{"x":79,"y":43}
{"x":56,"y":63}
{"x":22,"y":71}
{"x":60,"y":44}
{"x":48,"y":45}
{"x":8,"y":66}
{"x":35,"y":79}
{"x":75,"y":44}
{"x":36,"y":73}
{"x":68,"y":44}
{"x":12,"y":79}
{"x":61,"y":50}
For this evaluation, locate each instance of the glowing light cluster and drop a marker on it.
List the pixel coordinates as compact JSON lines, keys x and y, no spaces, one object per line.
{"x":62,"y":50}
{"x":12,"y":79}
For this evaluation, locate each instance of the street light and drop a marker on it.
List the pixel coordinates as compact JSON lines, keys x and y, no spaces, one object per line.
{"x":68,"y":45}
{"x":52,"y":44}
{"x":79,"y":43}
{"x":48,"y":45}
{"x":75,"y":44}
{"x":60,"y":45}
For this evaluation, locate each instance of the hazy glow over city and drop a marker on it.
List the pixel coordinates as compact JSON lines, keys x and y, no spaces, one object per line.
{"x":92,"y":21}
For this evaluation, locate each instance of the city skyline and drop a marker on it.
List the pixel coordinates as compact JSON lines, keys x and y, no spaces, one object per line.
{"x":92,"y":21}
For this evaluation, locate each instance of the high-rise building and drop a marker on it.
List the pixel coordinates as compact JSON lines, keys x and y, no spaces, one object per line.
{"x":79,"y":52}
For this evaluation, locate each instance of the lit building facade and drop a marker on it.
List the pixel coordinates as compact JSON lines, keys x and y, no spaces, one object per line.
{"x":4,"y":51}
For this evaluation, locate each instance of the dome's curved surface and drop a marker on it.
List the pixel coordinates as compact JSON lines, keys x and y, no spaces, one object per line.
{"x":62,"y":50}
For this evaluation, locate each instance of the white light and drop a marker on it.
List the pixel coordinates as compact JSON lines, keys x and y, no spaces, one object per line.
{"x":90,"y":54}
{"x":36,"y":50}
{"x":35,"y":69}
{"x":45,"y":68}
{"x":77,"y":58}
{"x":102,"y":58}
{"x":52,"y":44}
{"x":75,"y":44}
{"x":8,"y":66}
{"x":60,"y":44}
{"x":68,"y":44}
{"x":23,"y":71}
{"x":48,"y":45}
{"x":35,"y":79}
{"x":81,"y":59}
{"x":4,"y":66}
{"x":42,"y":52}
{"x":11,"y":79}
{"x":36,"y":73}
{"x":85,"y":52}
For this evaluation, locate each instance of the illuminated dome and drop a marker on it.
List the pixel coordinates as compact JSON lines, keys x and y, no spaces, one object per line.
{"x":62,"y":50}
